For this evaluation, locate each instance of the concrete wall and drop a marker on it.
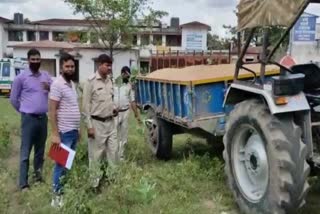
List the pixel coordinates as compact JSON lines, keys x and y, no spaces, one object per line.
{"x":5,"y":27}
{"x":46,"y":53}
{"x":86,"y":62}
{"x":122,"y":58}
{"x":2,"y":43}
{"x":306,"y":52}
{"x":3,"y":40}
{"x":201,"y":36}
{"x":47,"y":28}
{"x":9,"y":50}
{"x":144,"y":51}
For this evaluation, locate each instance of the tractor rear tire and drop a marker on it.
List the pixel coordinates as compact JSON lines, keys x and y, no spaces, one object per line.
{"x":159,"y":136}
{"x":265,"y":160}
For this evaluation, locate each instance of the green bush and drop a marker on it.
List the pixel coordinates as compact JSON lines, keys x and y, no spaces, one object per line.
{"x":4,"y":139}
{"x":142,"y":192}
{"x":4,"y":200}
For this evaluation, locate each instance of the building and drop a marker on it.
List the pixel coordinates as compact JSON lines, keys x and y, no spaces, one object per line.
{"x":3,"y":36}
{"x":162,"y":39}
{"x":252,"y":55}
{"x":52,"y":36}
{"x":85,"y":55}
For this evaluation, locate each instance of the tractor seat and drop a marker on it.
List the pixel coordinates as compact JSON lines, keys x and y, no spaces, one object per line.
{"x":312,"y":77}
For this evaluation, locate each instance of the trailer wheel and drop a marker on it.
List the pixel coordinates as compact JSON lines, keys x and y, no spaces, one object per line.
{"x":265,"y":160}
{"x":158,"y":136}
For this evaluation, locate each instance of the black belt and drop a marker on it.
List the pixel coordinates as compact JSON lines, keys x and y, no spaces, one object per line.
{"x":102,"y":119}
{"x":39,"y":116}
{"x":123,"y":110}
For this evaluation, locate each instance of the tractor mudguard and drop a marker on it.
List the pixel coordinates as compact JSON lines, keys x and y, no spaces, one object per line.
{"x":239,"y":92}
{"x":297,"y":104}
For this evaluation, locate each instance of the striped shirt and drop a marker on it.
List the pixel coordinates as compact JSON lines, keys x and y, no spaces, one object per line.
{"x":68,"y":113}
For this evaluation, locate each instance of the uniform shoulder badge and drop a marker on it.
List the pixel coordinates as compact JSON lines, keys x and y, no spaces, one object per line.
{"x":91,"y":77}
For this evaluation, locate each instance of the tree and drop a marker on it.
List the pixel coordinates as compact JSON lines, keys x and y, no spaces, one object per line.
{"x":232,"y":30}
{"x":217,"y":43}
{"x":115,"y":21}
{"x":26,"y":21}
{"x":152,"y":17}
{"x":275,"y":33}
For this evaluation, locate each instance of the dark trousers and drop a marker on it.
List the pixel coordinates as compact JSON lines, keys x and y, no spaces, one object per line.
{"x":34,"y":134}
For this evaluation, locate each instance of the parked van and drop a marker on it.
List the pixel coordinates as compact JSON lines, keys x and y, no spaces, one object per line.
{"x":9,"y":69}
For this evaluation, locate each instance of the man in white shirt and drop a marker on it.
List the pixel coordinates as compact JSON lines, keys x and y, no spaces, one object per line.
{"x":124,"y":98}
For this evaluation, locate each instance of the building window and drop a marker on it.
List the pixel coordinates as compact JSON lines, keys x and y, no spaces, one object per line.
{"x":157,"y":40}
{"x":77,"y":36}
{"x":6,"y":70}
{"x":145,"y":39}
{"x":15,"y":36}
{"x":249,"y":58}
{"x":94,"y":37}
{"x":58,"y":36}
{"x":134,"y":40}
{"x":126,"y":39}
{"x":44,"y":35}
{"x":173,"y":41}
{"x":31,"y":35}
{"x":144,"y":67}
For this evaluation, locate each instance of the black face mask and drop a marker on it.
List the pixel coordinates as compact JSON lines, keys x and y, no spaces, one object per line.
{"x":68,"y":77}
{"x":35,"y":66}
{"x":125,"y":80}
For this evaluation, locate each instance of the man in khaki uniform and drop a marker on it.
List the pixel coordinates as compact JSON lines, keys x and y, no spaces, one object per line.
{"x":124,"y":99}
{"x":99,"y":110}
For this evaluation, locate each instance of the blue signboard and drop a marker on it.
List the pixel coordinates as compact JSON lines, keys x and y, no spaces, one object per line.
{"x":194,"y":41}
{"x":305,"y":28}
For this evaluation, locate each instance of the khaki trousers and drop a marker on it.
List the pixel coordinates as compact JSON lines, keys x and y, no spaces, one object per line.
{"x":103,"y":147}
{"x":122,"y":123}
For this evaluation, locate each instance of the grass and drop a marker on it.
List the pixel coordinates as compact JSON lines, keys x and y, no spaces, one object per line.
{"x":192,"y":182}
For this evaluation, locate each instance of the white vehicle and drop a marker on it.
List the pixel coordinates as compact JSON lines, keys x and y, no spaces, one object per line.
{"x":9,"y":69}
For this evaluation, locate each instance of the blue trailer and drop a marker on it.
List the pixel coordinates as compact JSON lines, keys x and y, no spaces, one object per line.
{"x":272,"y":134}
{"x":188,"y":100}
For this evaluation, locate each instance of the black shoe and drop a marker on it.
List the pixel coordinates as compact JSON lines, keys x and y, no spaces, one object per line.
{"x":37,"y":178}
{"x":25,"y":188}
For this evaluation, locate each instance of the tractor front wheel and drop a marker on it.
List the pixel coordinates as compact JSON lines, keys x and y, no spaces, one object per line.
{"x":265,"y":160}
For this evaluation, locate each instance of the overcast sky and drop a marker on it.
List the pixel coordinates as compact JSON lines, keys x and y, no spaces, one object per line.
{"x":212,"y":12}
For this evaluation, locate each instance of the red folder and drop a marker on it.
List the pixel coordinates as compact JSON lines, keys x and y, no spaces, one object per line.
{"x":59,"y":154}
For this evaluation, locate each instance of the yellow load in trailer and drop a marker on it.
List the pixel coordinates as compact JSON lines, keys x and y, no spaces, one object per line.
{"x":202,"y":74}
